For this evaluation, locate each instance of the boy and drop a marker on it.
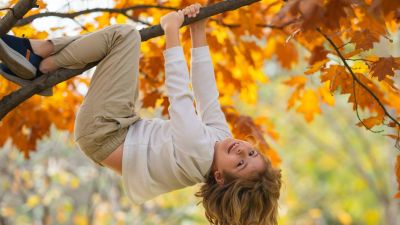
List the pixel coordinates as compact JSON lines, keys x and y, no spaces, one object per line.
{"x":157,"y":156}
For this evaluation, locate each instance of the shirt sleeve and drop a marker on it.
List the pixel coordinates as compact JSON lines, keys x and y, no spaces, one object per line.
{"x":188,"y":131}
{"x":205,"y":90}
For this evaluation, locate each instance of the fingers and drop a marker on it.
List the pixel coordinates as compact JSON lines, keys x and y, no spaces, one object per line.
{"x":192,"y":10}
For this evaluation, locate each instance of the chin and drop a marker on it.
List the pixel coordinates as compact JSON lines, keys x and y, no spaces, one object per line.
{"x":224,"y":144}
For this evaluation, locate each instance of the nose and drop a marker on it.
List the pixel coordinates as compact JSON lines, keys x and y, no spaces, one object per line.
{"x":239,"y":151}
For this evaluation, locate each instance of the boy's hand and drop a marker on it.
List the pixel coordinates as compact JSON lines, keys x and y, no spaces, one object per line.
{"x":192,"y":11}
{"x":172,"y":20}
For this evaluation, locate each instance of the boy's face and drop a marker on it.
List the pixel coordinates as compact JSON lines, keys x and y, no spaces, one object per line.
{"x":236,"y":157}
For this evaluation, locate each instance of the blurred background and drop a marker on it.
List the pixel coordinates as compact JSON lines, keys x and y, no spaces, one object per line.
{"x":334,"y":172}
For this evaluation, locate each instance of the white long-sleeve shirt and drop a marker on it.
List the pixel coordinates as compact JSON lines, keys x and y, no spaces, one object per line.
{"x":164,"y":155}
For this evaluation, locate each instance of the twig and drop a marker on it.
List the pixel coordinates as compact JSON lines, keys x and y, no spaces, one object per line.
{"x":344,"y":45}
{"x":18,"y":11}
{"x":365,"y":60}
{"x":356,"y":79}
{"x":280,"y":27}
{"x":357,"y":113}
{"x":72,"y":15}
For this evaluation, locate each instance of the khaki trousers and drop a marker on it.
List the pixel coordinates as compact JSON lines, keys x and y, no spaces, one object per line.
{"x":107,"y":111}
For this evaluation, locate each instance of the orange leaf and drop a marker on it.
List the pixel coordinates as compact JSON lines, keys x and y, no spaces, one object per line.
{"x":298,"y":81}
{"x":309,"y":105}
{"x":287,"y":54}
{"x":364,"y":39}
{"x":318,"y":54}
{"x":384,"y":67}
{"x":372,"y":121}
{"x":315,"y":67}
{"x":338,"y":77}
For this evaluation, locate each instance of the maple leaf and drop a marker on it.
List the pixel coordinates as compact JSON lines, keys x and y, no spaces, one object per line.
{"x":309,"y":105}
{"x":384,"y":67}
{"x":364,"y":39}
{"x":338,"y":77}
{"x":318,"y":54}
{"x":335,"y":11}
{"x":287,"y":54}
{"x":372,"y":121}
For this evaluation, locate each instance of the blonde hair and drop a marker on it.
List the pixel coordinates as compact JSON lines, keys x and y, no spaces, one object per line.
{"x":243,"y":201}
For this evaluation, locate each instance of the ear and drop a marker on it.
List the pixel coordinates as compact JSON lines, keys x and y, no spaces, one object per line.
{"x":218,"y":177}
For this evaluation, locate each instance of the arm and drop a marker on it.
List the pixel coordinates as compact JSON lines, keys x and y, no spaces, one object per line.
{"x":203,"y":80}
{"x":186,"y":127}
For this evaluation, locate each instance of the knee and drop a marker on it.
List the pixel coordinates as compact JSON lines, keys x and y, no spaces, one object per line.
{"x":127,"y":30}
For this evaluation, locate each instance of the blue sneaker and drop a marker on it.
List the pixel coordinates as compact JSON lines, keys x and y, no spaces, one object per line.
{"x":17,"y":54}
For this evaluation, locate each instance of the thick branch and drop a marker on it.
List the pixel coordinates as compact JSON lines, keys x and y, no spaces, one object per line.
{"x":72,"y":15}
{"x":356,"y":79}
{"x":15,"y":13}
{"x":12,"y":100}
{"x":124,"y":11}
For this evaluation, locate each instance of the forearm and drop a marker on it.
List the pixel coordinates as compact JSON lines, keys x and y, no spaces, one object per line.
{"x":198,"y":35}
{"x":172,"y":37}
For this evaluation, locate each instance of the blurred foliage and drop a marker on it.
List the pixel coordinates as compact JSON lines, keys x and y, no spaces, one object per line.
{"x":334,"y":172}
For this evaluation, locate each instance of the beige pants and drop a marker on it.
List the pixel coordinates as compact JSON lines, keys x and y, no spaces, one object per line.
{"x":107,"y":111}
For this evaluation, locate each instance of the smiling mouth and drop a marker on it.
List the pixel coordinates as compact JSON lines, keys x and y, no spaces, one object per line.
{"x":231,"y":146}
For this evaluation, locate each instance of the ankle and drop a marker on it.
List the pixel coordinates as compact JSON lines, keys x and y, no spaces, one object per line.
{"x":48,"y":65}
{"x":42,"y":48}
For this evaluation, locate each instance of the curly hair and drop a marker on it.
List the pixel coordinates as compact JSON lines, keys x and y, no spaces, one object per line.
{"x":243,"y":201}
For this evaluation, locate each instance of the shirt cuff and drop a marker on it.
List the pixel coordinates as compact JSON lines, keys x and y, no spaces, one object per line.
{"x":174,"y":54}
{"x":201,"y":52}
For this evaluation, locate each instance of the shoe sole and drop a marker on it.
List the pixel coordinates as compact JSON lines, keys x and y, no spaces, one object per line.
{"x":16,"y":62}
{"x":23,"y":82}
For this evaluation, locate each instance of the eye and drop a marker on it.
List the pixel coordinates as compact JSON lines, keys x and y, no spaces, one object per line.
{"x":251,"y":153}
{"x":240,"y":163}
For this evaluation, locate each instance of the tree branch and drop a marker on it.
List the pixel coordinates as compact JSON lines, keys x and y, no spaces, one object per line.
{"x":15,"y":13}
{"x":72,"y":15}
{"x":356,"y":79}
{"x":9,"y":102}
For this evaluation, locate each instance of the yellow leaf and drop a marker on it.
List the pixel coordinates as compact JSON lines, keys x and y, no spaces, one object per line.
{"x":344,"y":218}
{"x":315,"y":67}
{"x":33,"y":201}
{"x":360,"y":67}
{"x":80,"y":220}
{"x":326,"y":95}
{"x":74,"y":183}
{"x":309,"y":105}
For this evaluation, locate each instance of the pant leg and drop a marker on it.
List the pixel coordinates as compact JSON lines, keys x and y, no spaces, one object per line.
{"x":103,"y":120}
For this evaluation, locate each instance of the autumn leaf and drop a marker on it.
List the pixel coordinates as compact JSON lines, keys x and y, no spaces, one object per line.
{"x":318,"y":54}
{"x":384,"y":67}
{"x":338,"y":77}
{"x":372,"y":121}
{"x":287,"y":54}
{"x":364,"y":39}
{"x":309,"y":105}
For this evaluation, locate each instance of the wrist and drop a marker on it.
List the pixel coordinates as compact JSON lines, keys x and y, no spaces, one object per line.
{"x":171,"y":28}
{"x":198,"y":28}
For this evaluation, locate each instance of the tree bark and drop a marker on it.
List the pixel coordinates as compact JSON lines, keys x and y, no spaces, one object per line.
{"x":9,"y":102}
{"x":15,"y":13}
